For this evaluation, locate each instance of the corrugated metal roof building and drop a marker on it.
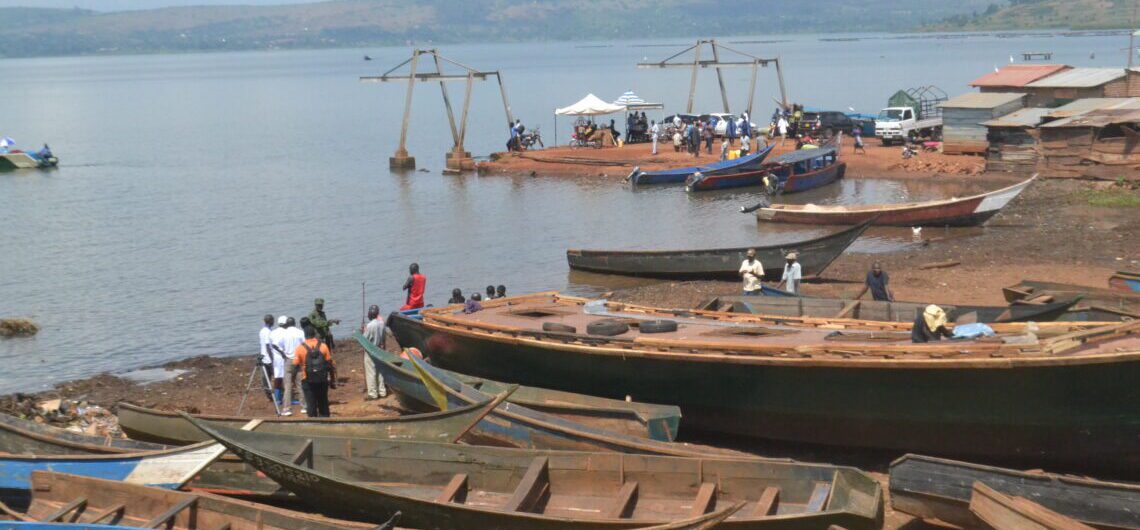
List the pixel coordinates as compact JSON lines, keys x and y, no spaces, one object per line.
{"x":1093,"y":139}
{"x":1077,"y":83}
{"x":1013,"y":141}
{"x":1012,"y":77}
{"x":962,"y":118}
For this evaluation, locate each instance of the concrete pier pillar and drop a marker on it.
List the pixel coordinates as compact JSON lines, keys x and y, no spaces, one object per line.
{"x":460,"y":160}
{"x":401,"y":160}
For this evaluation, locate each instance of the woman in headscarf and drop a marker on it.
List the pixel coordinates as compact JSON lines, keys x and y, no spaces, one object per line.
{"x":930,"y":325}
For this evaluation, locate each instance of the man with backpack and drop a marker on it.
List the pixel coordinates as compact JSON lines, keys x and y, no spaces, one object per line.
{"x":318,"y":373}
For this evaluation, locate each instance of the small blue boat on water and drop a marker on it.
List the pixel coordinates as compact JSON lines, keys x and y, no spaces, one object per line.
{"x":799,"y":170}
{"x":678,"y":175}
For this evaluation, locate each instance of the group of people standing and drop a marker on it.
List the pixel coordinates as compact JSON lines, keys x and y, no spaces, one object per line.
{"x":289,"y":349}
{"x":752,"y":272}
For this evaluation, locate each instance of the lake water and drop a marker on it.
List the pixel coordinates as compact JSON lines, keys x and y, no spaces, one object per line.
{"x":199,"y":192}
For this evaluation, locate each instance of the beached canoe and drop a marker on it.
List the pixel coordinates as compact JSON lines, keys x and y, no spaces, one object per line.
{"x":678,"y":175}
{"x":839,"y":382}
{"x":1096,"y":303}
{"x":1126,"y":281}
{"x":796,"y":171}
{"x":883,"y":310}
{"x":722,"y":263}
{"x":643,"y":420}
{"x":85,"y":500}
{"x":170,"y":469}
{"x":966,"y":211}
{"x":1005,"y":512}
{"x":19,"y":436}
{"x":512,"y":425}
{"x":936,"y":488}
{"x":447,"y":486}
{"x":170,"y":428}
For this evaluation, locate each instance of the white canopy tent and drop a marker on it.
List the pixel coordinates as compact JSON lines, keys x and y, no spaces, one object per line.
{"x":590,"y":105}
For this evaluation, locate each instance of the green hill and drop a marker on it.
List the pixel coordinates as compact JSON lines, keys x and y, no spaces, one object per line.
{"x":1044,"y":14}
{"x":344,"y":23}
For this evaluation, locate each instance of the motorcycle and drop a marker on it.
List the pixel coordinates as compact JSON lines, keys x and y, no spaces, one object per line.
{"x":529,"y":138}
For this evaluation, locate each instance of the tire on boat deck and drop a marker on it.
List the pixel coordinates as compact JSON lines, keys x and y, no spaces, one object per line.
{"x":657,"y":326}
{"x":607,"y":327}
{"x":558,"y":328}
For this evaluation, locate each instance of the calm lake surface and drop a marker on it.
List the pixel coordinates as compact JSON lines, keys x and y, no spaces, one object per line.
{"x":199,"y":192}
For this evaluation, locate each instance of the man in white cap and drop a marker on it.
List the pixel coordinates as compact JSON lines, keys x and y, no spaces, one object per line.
{"x":792,"y":275}
{"x":752,"y":271}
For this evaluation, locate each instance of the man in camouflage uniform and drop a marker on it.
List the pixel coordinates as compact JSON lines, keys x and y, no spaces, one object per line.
{"x":321,"y":323}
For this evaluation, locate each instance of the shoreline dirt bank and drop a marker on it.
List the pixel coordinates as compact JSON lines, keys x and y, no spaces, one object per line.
{"x":615,"y":162}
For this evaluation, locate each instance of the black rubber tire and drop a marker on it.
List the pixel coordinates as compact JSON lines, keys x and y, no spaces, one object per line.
{"x":558,"y":328}
{"x":607,"y":327}
{"x":657,"y":326}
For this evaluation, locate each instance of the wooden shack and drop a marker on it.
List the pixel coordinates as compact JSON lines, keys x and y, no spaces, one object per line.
{"x":1013,"y":141}
{"x":1077,"y":83}
{"x":1103,"y":143}
{"x":962,"y":118}
{"x":1014,"y":77}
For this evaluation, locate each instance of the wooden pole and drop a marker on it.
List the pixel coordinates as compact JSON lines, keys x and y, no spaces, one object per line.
{"x":506,"y":104}
{"x":752,"y":87}
{"x":719,"y":75}
{"x":780,"y":77}
{"x":466,"y":105}
{"x":693,"y":79}
{"x":402,"y":160}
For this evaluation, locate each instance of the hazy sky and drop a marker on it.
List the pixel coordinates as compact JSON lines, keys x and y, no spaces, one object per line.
{"x":121,"y":5}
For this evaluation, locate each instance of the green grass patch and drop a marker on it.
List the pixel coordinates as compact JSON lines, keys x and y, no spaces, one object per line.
{"x":1113,"y":197}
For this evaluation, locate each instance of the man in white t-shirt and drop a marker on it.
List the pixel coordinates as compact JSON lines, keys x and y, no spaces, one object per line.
{"x":374,"y":332}
{"x":792,"y":276}
{"x":277,"y":347}
{"x":654,"y":130}
{"x":293,"y":337}
{"x":265,"y":353}
{"x":752,"y":271}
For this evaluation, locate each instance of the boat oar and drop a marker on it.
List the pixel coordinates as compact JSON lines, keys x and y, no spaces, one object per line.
{"x":19,"y":516}
{"x":491,"y":406}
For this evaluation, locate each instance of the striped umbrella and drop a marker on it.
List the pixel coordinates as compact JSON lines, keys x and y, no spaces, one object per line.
{"x":629,"y":98}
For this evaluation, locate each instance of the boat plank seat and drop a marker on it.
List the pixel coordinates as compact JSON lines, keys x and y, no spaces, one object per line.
{"x":706,"y":500}
{"x":819,"y":496}
{"x":167,"y":517}
{"x":223,"y":526}
{"x":768,"y":502}
{"x":532,"y":489}
{"x":119,"y":509}
{"x":626,"y":499}
{"x":455,"y":491}
{"x":73,"y":506}
{"x":304,"y":454}
{"x":847,"y":309}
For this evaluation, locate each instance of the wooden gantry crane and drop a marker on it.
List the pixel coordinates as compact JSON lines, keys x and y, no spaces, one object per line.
{"x":458,"y":159}
{"x":751,"y":61}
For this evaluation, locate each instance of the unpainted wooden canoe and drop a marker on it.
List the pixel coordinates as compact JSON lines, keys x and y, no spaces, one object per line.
{"x":448,"y":486}
{"x":886,"y":311}
{"x":1005,"y":512}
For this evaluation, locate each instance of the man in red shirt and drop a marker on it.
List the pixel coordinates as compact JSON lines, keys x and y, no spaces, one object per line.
{"x":415,"y":285}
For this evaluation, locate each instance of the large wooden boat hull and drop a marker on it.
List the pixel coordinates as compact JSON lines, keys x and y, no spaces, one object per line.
{"x":790,"y":170}
{"x":967,"y":211}
{"x":884,"y":311}
{"x":447,"y":486}
{"x":936,"y":488}
{"x":1071,"y":412}
{"x":1096,"y":304}
{"x":171,"y":428}
{"x":21,"y":160}
{"x":512,"y":425}
{"x":137,"y":506}
{"x":815,"y":255}
{"x":678,"y":175}
{"x":724,"y":180}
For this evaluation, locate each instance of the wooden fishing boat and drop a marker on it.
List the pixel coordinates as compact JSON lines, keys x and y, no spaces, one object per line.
{"x":795,"y":171}
{"x":24,"y":160}
{"x":1003,"y":512}
{"x":935,"y":488}
{"x":721,"y":263}
{"x":1096,"y":304}
{"x":512,"y":425}
{"x":883,"y":310}
{"x":171,"y":468}
{"x":73,"y":499}
{"x":643,"y":420}
{"x":169,"y":427}
{"x":19,"y":436}
{"x":699,"y":181}
{"x":752,"y":162}
{"x":825,"y":381}
{"x":966,"y":211}
{"x":1126,"y":281}
{"x":452,"y":486}
{"x":27,"y":525}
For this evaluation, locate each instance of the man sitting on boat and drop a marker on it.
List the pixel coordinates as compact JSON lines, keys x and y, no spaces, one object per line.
{"x":930,"y":326}
{"x":752,"y":271}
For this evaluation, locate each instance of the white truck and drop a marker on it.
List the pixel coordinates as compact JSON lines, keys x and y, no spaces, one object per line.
{"x":912,"y":114}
